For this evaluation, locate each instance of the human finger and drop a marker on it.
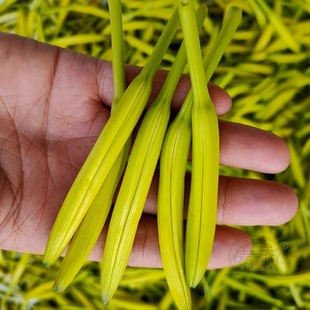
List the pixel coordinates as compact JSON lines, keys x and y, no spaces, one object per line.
{"x":244,"y":202}
{"x":145,"y":251}
{"x":251,"y":148}
{"x":249,"y":202}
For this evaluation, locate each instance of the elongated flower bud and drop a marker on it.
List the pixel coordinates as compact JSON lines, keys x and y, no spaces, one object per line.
{"x":202,"y":210}
{"x":170,"y":201}
{"x":89,"y":230}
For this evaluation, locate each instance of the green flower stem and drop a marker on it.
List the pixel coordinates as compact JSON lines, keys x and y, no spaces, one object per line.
{"x":231,"y":22}
{"x":117,"y":43}
{"x":211,"y":60}
{"x":160,"y":48}
{"x":193,"y":50}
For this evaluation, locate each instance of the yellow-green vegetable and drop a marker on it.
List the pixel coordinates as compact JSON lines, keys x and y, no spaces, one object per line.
{"x":173,"y":163}
{"x":170,"y":200}
{"x":202,"y":209}
{"x":279,"y":26}
{"x":107,"y":148}
{"x":136,"y":183}
{"x":201,"y":217}
{"x":89,"y":230}
{"x":96,"y":183}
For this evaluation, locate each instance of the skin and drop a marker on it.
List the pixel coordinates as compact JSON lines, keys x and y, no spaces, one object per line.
{"x":53,"y":105}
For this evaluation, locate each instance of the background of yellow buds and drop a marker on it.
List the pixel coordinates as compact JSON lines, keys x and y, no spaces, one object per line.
{"x":266,"y":70}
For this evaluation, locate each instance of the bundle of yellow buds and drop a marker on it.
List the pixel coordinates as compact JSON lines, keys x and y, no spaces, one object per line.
{"x":88,"y":203}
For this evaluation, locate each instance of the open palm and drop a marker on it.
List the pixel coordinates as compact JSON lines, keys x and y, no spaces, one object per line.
{"x":53,"y":105}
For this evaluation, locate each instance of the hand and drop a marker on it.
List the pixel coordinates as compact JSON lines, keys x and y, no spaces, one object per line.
{"x":53,"y":105}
